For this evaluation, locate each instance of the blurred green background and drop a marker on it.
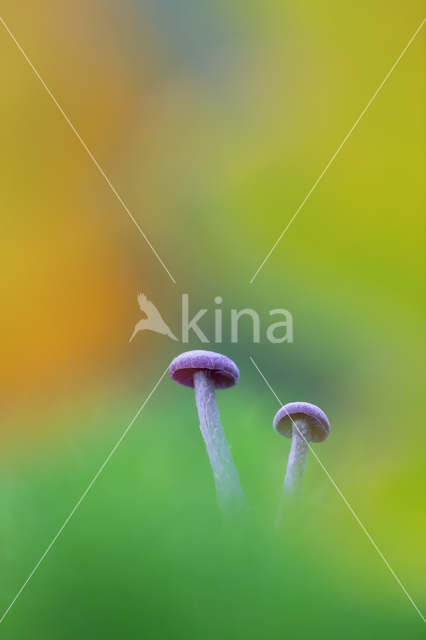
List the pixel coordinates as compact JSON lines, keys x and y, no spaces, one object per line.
{"x":212,"y":120}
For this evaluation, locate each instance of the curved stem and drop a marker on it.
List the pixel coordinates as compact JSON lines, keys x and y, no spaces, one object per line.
{"x":229,"y":492}
{"x":295,"y":473}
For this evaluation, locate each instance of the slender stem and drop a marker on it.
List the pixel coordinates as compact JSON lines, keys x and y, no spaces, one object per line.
{"x":295,"y":473}
{"x":293,"y":483}
{"x":229,"y":492}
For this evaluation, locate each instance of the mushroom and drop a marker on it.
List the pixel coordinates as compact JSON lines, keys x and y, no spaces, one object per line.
{"x":207,"y":371}
{"x":303,"y":423}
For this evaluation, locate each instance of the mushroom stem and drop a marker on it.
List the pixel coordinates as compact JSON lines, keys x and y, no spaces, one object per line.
{"x":295,"y":473}
{"x":229,"y":492}
{"x":293,"y":482}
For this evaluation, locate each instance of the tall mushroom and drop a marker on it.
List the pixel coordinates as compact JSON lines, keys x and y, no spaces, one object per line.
{"x":303,"y":423}
{"x":207,"y":371}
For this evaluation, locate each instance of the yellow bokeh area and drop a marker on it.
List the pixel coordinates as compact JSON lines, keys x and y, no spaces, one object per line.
{"x":189,"y":133}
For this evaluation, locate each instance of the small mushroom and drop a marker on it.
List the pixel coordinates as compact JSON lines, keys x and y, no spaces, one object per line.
{"x":302,"y":422}
{"x":207,"y":371}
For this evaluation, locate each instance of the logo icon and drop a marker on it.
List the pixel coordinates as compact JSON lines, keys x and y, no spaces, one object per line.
{"x":153,"y":321}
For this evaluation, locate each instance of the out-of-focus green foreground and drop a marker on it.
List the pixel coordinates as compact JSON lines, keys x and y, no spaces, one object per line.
{"x":213,"y":121}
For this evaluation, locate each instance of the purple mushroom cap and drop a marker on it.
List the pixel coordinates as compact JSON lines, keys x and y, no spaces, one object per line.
{"x":317,"y":420}
{"x":222,"y":369}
